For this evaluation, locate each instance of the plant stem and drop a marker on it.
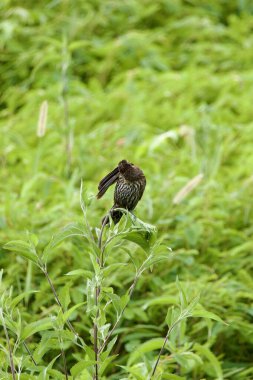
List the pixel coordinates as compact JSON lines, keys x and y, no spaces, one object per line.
{"x":100,"y":261}
{"x":164,"y":343}
{"x":44,"y":270}
{"x":64,"y":363}
{"x":130,"y":292}
{"x":105,"y":221}
{"x":29,"y":352}
{"x":160,"y":353}
{"x":9,"y":347}
{"x":96,"y":350}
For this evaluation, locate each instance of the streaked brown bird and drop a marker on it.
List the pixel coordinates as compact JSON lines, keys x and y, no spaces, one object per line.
{"x":130,"y":185}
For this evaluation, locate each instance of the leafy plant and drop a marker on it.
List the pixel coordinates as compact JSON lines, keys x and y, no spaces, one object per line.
{"x":169,"y":86}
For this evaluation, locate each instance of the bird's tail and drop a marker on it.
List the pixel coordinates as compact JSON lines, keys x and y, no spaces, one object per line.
{"x":107,"y":181}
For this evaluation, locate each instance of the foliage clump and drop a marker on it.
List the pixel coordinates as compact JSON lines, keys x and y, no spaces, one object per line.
{"x":169,"y":85}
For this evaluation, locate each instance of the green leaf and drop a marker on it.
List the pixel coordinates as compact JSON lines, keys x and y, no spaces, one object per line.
{"x":141,"y":233}
{"x":133,"y":257}
{"x":64,"y":295}
{"x":68,"y":313}
{"x":78,"y":45}
{"x":113,"y":267}
{"x":85,"y":201}
{"x":80,"y":273}
{"x":170,"y":376}
{"x":202,"y":313}
{"x":80,"y":366}
{"x":45,"y":345}
{"x":162,"y":300}
{"x":182,"y":294}
{"x":90,"y":353}
{"x":37,"y":326}
{"x":187,"y":312}
{"x":91,"y":287}
{"x":151,"y":345}
{"x":56,"y":374}
{"x":172,"y":316}
{"x":33,"y":239}
{"x":124,"y":300}
{"x":20,"y":297}
{"x":110,"y":346}
{"x":105,"y":364}
{"x":133,"y":229}
{"x":116,"y":301}
{"x":204,"y":351}
{"x":133,"y":371}
{"x":23,"y":248}
{"x":73,"y":229}
{"x":95,"y":264}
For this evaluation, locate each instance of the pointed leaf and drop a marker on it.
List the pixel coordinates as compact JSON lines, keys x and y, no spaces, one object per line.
{"x":68,"y":313}
{"x":202,"y":313}
{"x":34,"y":327}
{"x":23,"y":248}
{"x":80,"y":366}
{"x":205,"y":351}
{"x":73,"y":229}
{"x":80,"y":273}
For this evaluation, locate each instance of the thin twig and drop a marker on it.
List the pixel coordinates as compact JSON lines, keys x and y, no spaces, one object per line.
{"x":96,"y":350}
{"x":97,"y":292}
{"x":65,"y":369}
{"x":9,"y":347}
{"x":105,"y":221}
{"x":130,"y":292}
{"x":30,"y":353}
{"x":164,"y":343}
{"x":64,"y":363}
{"x":100,"y":261}
{"x":43,"y":268}
{"x":160,"y":353}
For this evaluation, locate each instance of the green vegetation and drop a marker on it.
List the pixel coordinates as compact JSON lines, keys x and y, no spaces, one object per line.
{"x":167,"y":84}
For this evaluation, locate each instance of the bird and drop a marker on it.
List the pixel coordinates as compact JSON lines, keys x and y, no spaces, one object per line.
{"x":130,"y":185}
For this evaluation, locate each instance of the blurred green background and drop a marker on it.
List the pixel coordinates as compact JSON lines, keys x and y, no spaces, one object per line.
{"x":167,"y":84}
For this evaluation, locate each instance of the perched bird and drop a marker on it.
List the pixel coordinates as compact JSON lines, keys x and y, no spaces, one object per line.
{"x":130,"y":185}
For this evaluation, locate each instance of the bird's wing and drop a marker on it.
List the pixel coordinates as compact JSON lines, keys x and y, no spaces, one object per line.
{"x":107,"y":181}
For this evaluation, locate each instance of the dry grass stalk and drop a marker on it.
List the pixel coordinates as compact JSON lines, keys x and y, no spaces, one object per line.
{"x":42,"y":123}
{"x":191,"y":185}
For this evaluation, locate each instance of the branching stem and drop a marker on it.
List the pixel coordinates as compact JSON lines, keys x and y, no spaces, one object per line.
{"x":160,"y":353}
{"x":64,"y":363}
{"x":130,"y":292}
{"x":164,"y":343}
{"x":96,"y":349}
{"x":30,"y":353}
{"x":100,"y":261}
{"x":44,"y":270}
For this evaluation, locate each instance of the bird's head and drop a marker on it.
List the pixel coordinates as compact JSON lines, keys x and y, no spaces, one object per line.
{"x":129,"y":171}
{"x":124,"y":166}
